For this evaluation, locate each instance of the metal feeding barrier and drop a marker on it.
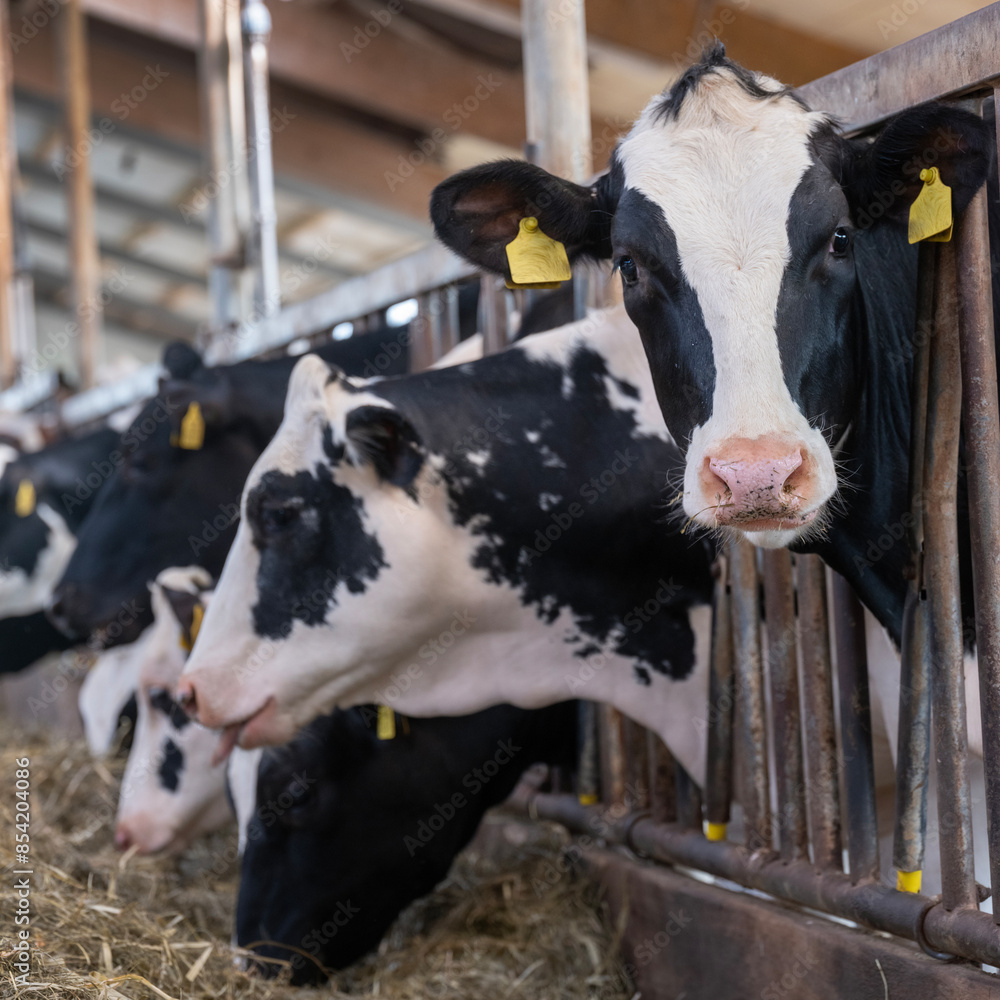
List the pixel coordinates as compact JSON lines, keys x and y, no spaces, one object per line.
{"x":795,"y":850}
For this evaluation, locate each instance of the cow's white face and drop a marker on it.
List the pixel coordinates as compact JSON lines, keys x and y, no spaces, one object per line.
{"x":111,"y":683}
{"x":362,"y":572}
{"x":702,"y":229}
{"x":173,"y":790}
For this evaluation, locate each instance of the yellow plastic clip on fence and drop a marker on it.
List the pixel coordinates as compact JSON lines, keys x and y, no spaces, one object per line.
{"x":25,"y":498}
{"x":909,"y":881}
{"x":930,"y":213}
{"x":192,"y":435}
{"x":536,"y":260}
{"x":385,"y":728}
{"x":588,"y":799}
{"x":715,"y":831}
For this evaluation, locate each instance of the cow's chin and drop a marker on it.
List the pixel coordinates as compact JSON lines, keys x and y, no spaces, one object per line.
{"x":773,"y":538}
{"x":268,"y":727}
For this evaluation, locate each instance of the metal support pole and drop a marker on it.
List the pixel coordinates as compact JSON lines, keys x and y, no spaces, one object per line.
{"x":84,"y":260}
{"x":662,"y":784}
{"x":610,"y":723}
{"x":263,"y":245}
{"x":719,"y":771}
{"x":8,"y":154}
{"x":944,"y":621}
{"x":914,"y":733}
{"x":856,"y":731}
{"x":820,"y":730}
{"x":982,"y":443}
{"x":751,"y":723}
{"x":782,"y":663}
{"x":226,"y":189}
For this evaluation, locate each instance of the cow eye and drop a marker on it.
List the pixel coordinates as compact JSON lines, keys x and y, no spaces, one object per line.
{"x":629,"y":271}
{"x":276,"y":517}
{"x":840,"y":242}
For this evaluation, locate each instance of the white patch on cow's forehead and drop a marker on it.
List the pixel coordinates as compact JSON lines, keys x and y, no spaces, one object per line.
{"x":724,"y":173}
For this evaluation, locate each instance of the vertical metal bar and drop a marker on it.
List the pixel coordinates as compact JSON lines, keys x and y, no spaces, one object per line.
{"x":855,"y":731}
{"x":751,"y":725}
{"x":982,"y":443}
{"x":688,"y":800}
{"x":84,"y":260}
{"x":782,"y":662}
{"x":635,"y":751}
{"x":609,"y":724}
{"x":914,"y":733}
{"x":450,"y":322}
{"x":944,"y":619}
{"x":225,"y":192}
{"x":491,"y":322}
{"x":422,"y":335}
{"x":8,"y":155}
{"x":719,"y":771}
{"x":662,"y":787}
{"x":588,"y":764}
{"x":823,"y":793}
{"x":556,"y":87}
{"x":263,"y":247}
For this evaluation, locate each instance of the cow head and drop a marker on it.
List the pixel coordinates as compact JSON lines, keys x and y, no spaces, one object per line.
{"x":172,"y":790}
{"x":304,"y":606}
{"x":44,"y":497}
{"x":163,"y":504}
{"x":743,"y":226}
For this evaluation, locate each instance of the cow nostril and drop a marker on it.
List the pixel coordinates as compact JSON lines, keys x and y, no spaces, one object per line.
{"x":187,"y":698}
{"x":123,"y":839}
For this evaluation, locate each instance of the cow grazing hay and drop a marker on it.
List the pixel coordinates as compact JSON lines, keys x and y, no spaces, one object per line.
{"x":109,"y":925}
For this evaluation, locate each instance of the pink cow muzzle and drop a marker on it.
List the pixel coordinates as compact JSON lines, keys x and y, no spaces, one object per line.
{"x":755,"y":486}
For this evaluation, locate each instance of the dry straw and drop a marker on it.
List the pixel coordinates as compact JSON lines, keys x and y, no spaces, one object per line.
{"x":107,"y":925}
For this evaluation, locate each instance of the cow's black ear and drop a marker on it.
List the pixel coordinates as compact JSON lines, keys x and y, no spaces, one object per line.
{"x":182,"y":603}
{"x":476,"y":213}
{"x":386,"y":439}
{"x":181,"y":360}
{"x":883,"y":178}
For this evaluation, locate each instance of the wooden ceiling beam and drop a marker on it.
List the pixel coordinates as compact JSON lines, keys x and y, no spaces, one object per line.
{"x":312,"y":144}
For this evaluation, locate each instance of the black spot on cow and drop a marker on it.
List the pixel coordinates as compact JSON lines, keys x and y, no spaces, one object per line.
{"x":162,"y":701}
{"x":311,"y":539}
{"x":171,"y":766}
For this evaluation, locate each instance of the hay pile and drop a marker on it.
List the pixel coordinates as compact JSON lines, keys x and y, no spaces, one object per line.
{"x":108,"y":925}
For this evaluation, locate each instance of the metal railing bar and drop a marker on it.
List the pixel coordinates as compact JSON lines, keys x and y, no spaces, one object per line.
{"x":855,"y":732}
{"x":820,"y":727}
{"x":944,"y":403}
{"x":721,"y":695}
{"x":982,"y":444}
{"x":782,"y":662}
{"x":750,"y":731}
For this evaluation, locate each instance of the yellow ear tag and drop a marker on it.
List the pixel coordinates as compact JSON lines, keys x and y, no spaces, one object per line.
{"x":930,"y":213}
{"x":536,"y":260}
{"x":25,"y":498}
{"x":192,"y":435}
{"x":187,"y":641}
{"x":386,"y":727}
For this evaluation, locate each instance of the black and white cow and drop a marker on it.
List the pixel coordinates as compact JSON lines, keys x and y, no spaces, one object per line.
{"x":44,"y":497}
{"x":171,"y":506}
{"x":764,"y":258}
{"x":461,"y":538}
{"x":25,"y":639}
{"x":343,"y":830}
{"x":173,"y":789}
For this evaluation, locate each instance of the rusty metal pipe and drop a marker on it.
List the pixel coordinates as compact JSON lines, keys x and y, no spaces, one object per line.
{"x":782,"y":664}
{"x":719,"y":770}
{"x":944,"y":620}
{"x":855,"y":732}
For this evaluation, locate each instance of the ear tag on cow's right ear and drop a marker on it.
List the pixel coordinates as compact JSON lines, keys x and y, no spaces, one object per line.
{"x":187,"y":638}
{"x":930,"y":214}
{"x":385,"y":728}
{"x":25,"y":499}
{"x":192,"y":435}
{"x":536,"y":260}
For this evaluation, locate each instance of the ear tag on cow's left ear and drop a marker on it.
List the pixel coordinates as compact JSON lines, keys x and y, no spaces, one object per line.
{"x":25,"y":499}
{"x":536,"y":260}
{"x":192,"y":435}
{"x":385,"y":728}
{"x":930,"y":213}
{"x":187,"y":638}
